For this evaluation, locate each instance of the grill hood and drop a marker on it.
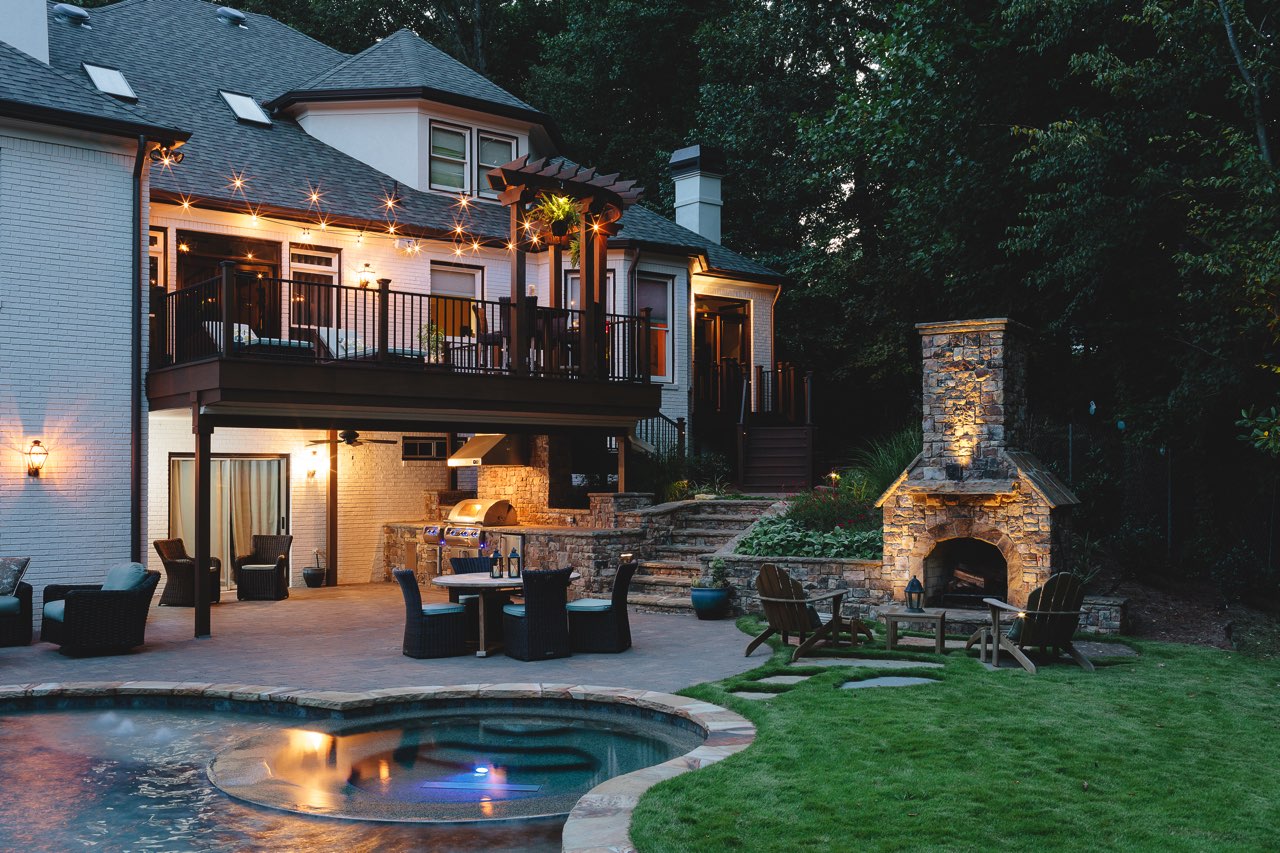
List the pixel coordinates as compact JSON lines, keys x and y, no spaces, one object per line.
{"x":491,"y":449}
{"x":488,"y":513}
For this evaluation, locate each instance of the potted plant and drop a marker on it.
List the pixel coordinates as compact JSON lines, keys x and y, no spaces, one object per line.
{"x":432,"y":340}
{"x":313,"y":576}
{"x":558,"y":213}
{"x":712,"y":591}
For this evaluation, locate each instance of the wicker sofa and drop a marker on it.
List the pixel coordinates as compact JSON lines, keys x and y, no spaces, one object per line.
{"x":180,"y":575}
{"x":104,"y":618}
{"x":263,"y":573}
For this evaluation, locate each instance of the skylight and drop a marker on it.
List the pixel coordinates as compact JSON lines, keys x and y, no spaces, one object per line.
{"x":246,"y":108}
{"x":110,"y":81}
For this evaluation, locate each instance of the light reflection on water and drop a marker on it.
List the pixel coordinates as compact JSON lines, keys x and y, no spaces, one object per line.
{"x":135,"y":780}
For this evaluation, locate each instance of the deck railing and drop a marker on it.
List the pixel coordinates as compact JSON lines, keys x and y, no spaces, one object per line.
{"x":251,"y":316}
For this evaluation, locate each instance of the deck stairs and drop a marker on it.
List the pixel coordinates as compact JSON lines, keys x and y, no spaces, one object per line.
{"x":776,"y":458}
{"x":662,"y":583}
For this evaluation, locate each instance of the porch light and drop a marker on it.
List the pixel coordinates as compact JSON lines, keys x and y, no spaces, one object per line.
{"x":305,"y":235}
{"x":36,"y":455}
{"x":366,"y":275}
{"x":165,"y":156}
{"x":915,"y":596}
{"x":313,"y":465}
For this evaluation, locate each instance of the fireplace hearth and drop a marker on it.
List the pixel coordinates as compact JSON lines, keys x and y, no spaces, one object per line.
{"x":973,"y":516}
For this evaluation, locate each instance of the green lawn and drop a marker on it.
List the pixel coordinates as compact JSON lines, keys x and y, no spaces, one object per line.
{"x":1178,"y":749}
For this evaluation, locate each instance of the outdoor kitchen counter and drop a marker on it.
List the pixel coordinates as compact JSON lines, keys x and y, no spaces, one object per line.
{"x":582,"y":548}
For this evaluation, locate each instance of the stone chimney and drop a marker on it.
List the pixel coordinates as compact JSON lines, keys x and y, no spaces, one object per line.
{"x":697,"y":172}
{"x":25,"y":25}
{"x":974,"y":407}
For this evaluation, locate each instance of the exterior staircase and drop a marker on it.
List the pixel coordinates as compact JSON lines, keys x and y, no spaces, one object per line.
{"x":662,"y":583}
{"x":776,"y":458}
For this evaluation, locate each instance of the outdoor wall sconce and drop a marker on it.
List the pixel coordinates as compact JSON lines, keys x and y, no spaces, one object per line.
{"x":955,"y":471}
{"x":312,"y":466}
{"x":915,"y":596}
{"x":165,"y":155}
{"x":36,"y":455}
{"x":366,"y":275}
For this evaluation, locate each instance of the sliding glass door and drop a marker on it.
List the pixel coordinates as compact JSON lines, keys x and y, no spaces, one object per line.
{"x":248,"y":495}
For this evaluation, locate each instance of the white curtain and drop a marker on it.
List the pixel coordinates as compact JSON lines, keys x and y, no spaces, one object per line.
{"x":244,"y":499}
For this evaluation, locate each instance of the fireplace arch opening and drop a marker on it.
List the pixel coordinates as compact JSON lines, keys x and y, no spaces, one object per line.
{"x":962,"y":572}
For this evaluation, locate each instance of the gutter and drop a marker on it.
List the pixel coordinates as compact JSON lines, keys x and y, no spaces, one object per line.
{"x":135,"y":358}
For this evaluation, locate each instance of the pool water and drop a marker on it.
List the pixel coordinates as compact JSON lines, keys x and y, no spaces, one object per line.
{"x":136,"y":780}
{"x":445,"y":765}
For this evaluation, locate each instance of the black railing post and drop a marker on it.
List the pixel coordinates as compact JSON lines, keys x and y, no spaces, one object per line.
{"x":644,"y":340}
{"x":680,"y":437}
{"x":808,"y":398}
{"x":384,"y":317}
{"x":226,"y":299}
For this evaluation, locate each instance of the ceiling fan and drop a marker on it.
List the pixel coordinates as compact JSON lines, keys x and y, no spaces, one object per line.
{"x":351,"y":438}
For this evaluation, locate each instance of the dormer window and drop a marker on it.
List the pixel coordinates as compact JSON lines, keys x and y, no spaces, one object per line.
{"x":246,"y":108}
{"x":493,"y":150}
{"x":448,"y":158}
{"x":110,"y":81}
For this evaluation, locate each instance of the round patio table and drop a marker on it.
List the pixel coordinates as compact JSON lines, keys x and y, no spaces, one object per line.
{"x":484,"y":585}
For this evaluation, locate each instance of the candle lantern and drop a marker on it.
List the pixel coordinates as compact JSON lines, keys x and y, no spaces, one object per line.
{"x":495,"y":564}
{"x":513,"y":563}
{"x":915,"y":596}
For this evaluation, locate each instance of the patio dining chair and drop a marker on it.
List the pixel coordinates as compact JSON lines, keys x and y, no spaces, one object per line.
{"x":539,"y":628}
{"x":430,"y":630}
{"x":601,"y":624}
{"x":490,"y":341}
{"x":263,"y":573}
{"x":180,"y":574}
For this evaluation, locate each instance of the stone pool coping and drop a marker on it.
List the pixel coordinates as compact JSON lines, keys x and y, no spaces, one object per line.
{"x":601,"y":819}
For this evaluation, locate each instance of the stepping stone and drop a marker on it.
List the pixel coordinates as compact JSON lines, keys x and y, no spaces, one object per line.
{"x":870,"y":663}
{"x":886,"y":681}
{"x":751,"y":694}
{"x":782,"y":679}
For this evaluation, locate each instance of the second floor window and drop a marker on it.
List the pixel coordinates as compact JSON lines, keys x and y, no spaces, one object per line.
{"x":448,"y":158}
{"x":493,"y":151}
{"x":654,"y":293}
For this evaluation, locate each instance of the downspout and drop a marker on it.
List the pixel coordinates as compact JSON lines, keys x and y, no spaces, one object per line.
{"x":135,"y":386}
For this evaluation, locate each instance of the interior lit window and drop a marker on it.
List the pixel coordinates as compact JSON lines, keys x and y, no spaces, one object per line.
{"x":493,"y":151}
{"x":448,"y":158}
{"x":246,"y":108}
{"x":655,"y":294}
{"x":110,"y":81}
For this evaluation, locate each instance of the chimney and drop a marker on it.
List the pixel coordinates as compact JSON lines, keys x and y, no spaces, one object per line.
{"x":697,"y":171}
{"x":974,"y":406}
{"x":25,"y":25}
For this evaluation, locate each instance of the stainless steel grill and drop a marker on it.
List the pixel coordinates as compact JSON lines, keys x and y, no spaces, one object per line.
{"x":464,"y":535}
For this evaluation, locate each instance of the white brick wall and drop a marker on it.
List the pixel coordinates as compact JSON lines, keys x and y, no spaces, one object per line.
{"x":65,"y":321}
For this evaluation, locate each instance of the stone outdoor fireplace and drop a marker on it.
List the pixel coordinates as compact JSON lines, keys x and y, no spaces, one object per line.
{"x":973,"y":516}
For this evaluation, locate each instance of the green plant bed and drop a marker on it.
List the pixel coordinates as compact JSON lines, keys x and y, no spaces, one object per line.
{"x":779,"y":536}
{"x":1174,"y":750}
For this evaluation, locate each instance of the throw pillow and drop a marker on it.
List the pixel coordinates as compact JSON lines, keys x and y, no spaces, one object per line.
{"x":11,"y":571}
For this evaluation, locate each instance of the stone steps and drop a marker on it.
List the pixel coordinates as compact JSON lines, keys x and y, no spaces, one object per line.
{"x":674,"y":552}
{"x":645,"y":603}
{"x":716,"y":521}
{"x":713,"y":539}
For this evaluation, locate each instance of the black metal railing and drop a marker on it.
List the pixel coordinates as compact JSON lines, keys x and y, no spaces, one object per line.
{"x":249,"y":315}
{"x":662,"y":433}
{"x":782,"y":394}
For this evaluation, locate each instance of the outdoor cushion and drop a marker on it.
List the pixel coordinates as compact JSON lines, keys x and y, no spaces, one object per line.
{"x":441,"y":609}
{"x":54,"y":610}
{"x":9,"y":605}
{"x":258,"y":567}
{"x":589,"y":605}
{"x":513,"y":609}
{"x":241,"y":333}
{"x":463,"y":599}
{"x":11,"y":571}
{"x":125,"y":576}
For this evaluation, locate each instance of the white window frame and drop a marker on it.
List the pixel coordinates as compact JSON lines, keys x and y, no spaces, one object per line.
{"x":466,"y":156}
{"x":240,"y":109}
{"x":106,"y":82}
{"x":157,"y":243}
{"x":296,"y":267}
{"x":670,"y":282}
{"x":570,"y":284}
{"x":482,"y":186}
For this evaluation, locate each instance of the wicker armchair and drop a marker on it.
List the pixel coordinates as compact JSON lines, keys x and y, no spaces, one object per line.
{"x":539,"y":628}
{"x":15,"y":628}
{"x":263,"y":574}
{"x":98,"y":621}
{"x":180,"y":575}
{"x":601,"y":625}
{"x":433,"y":630}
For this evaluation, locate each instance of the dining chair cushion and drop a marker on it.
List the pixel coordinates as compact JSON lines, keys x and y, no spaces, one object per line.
{"x":589,"y":605}
{"x":125,"y":576}
{"x":513,"y":609}
{"x":440,"y":609}
{"x":259,"y":567}
{"x":10,"y":605}
{"x":463,"y":599}
{"x":54,"y":610}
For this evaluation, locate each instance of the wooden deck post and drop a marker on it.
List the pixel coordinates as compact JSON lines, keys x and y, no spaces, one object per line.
{"x":588,"y":288}
{"x":331,"y":515}
{"x":624,"y":451}
{"x":203,"y":508}
{"x":520,"y":318}
{"x":384,"y":317}
{"x":226,"y":301}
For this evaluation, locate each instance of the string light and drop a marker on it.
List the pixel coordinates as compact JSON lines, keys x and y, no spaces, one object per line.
{"x":314,"y":194}
{"x":511,"y":247}
{"x":475,"y":246}
{"x":186,"y":202}
{"x":238,"y":180}
{"x":463,"y":200}
{"x":391,"y":229}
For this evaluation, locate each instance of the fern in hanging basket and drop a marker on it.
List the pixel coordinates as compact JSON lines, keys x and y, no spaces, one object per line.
{"x":558,"y":215}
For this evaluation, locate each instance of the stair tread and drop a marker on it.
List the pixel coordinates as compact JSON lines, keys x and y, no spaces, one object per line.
{"x":686,"y":549}
{"x":680,"y":601}
{"x":660,"y":580}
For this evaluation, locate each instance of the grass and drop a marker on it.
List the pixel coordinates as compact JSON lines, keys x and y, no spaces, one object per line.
{"x":1178,"y":749}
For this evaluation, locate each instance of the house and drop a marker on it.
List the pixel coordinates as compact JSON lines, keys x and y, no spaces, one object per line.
{"x":254,"y":284}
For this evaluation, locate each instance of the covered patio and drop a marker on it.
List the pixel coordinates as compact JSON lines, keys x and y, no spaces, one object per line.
{"x":348,"y":638}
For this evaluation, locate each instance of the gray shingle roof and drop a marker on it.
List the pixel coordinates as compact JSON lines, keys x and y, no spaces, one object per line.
{"x":31,"y":89}
{"x":403,"y":60}
{"x":177,"y":55}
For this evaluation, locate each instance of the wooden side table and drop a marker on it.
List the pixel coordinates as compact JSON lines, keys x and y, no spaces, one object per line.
{"x":937,"y":617}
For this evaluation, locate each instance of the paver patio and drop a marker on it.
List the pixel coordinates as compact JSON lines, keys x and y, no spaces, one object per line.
{"x":348,"y":638}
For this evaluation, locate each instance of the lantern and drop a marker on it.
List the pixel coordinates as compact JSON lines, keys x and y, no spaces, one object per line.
{"x":495,"y":564}
{"x":915,"y":596}
{"x":36,"y":456}
{"x":513,"y":563}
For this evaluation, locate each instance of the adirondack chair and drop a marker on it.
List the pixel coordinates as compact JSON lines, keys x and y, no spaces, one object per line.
{"x":789,"y":611}
{"x":1049,"y":621}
